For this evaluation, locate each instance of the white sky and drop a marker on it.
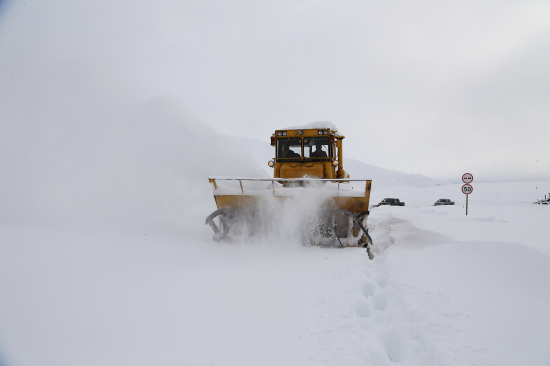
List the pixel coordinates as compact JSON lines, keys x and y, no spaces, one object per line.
{"x":438,"y":88}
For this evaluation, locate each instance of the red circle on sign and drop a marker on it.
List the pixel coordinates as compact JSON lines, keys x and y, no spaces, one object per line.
{"x":467,"y":189}
{"x":467,"y":178}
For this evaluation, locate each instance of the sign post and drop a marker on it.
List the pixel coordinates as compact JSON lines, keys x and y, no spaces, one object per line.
{"x":467,"y":188}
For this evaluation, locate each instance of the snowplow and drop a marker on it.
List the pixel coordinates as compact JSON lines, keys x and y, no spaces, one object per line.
{"x":309,"y":195}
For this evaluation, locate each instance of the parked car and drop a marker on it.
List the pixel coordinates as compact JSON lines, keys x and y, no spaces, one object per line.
{"x":443,"y":202}
{"x":391,"y":202}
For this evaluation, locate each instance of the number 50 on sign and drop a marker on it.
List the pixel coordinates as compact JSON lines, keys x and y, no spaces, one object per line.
{"x":467,"y":189}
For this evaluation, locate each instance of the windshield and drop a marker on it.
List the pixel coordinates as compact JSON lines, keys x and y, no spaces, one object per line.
{"x":316,"y":147}
{"x":289,"y":149}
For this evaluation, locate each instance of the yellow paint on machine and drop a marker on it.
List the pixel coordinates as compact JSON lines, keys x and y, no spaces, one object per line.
{"x":356,"y":205}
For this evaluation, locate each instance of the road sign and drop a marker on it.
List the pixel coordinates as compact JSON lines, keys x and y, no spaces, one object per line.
{"x":467,"y":178}
{"x":467,"y":189}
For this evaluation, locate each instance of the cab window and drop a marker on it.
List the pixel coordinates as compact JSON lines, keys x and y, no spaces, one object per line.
{"x":289,"y":149}
{"x":316,"y":147}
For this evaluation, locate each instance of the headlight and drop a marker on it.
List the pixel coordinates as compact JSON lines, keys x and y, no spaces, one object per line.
{"x":270,"y":163}
{"x":335,"y":163}
{"x":322,"y":132}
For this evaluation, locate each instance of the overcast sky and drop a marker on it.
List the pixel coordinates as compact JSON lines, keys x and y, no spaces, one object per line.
{"x":432,"y":87}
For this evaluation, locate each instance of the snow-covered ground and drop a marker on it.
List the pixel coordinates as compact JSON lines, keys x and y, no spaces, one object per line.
{"x":474,"y":288}
{"x":105,"y":259}
{"x":448,"y":289}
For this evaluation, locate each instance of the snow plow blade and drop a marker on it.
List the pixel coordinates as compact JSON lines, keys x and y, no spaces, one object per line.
{"x":340,"y":221}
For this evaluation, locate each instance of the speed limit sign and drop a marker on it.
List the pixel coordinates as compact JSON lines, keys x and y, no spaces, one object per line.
{"x":467,"y":189}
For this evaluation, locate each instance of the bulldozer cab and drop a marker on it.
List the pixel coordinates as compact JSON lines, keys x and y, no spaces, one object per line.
{"x":307,"y":153}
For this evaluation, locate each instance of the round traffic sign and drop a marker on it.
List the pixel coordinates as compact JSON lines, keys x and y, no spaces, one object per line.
{"x":467,"y":178}
{"x":467,"y":189}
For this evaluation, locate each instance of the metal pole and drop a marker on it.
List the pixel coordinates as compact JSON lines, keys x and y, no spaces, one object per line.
{"x":467,"y":204}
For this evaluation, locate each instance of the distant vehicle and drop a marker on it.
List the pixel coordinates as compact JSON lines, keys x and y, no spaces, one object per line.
{"x":391,"y":202}
{"x":443,"y":202}
{"x":544,"y":201}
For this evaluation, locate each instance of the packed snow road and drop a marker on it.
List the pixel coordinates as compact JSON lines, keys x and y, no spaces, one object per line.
{"x":444,"y":289}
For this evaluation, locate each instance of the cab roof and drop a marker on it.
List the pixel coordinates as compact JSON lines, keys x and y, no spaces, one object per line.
{"x":319,"y":125}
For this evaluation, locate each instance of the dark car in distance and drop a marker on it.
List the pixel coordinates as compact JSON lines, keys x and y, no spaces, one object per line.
{"x":391,"y":202}
{"x":443,"y":202}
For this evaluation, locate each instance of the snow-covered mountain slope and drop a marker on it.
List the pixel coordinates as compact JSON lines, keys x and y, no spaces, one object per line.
{"x":147,"y":162}
{"x":383,"y":178}
{"x":259,"y":152}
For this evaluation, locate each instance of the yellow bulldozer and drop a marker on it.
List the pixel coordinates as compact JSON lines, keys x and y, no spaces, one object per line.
{"x":308,"y":172}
